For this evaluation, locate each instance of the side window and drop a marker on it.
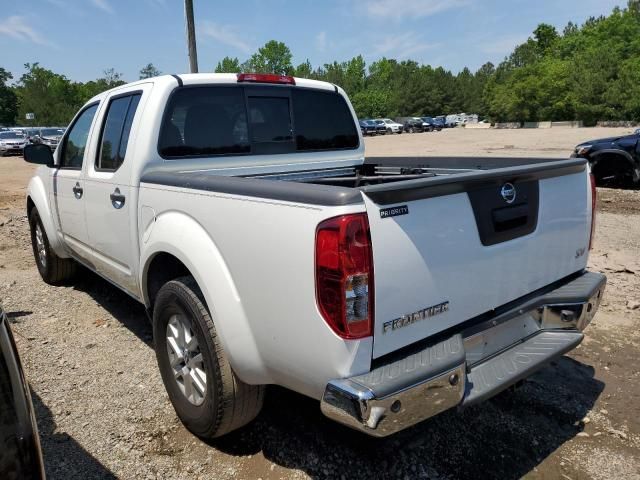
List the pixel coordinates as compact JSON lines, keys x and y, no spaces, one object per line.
{"x":115,"y":132}
{"x":76,"y":141}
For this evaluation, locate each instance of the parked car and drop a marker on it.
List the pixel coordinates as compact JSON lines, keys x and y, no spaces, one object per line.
{"x":381,"y":128}
{"x":20,"y":453}
{"x":440,"y":122}
{"x":12,"y":143}
{"x":410,"y":124}
{"x":431,"y":124}
{"x":613,"y":160}
{"x":368,"y":127}
{"x":452,"y":121}
{"x":390,"y":125}
{"x":49,"y":137}
{"x":342,"y":279}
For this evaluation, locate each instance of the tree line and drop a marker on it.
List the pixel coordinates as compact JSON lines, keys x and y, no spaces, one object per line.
{"x":587,"y":72}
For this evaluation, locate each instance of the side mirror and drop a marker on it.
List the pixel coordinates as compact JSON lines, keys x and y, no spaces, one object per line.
{"x":38,"y":153}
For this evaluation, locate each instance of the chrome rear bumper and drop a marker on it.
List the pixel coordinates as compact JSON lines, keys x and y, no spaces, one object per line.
{"x":469,"y":366}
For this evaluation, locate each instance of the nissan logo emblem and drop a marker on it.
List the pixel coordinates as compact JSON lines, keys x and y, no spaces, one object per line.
{"x":508,"y":192}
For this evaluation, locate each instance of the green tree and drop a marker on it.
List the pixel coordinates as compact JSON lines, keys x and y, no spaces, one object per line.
{"x":273,"y":57}
{"x":304,"y":70}
{"x":149,"y":71}
{"x":228,"y":65}
{"x":50,"y":96}
{"x":8,"y":100}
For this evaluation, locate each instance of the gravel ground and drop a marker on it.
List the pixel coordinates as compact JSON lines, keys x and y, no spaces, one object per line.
{"x":103,"y":413}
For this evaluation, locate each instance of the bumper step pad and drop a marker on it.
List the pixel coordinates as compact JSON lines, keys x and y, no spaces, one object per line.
{"x":517,"y":363}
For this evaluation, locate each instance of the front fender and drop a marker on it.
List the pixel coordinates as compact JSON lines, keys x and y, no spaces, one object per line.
{"x":633,"y":163}
{"x":38,"y":194}
{"x":180,"y":235}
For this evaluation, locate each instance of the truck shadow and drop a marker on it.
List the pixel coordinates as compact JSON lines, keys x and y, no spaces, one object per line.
{"x":64,"y":458}
{"x":505,"y":437}
{"x":127,"y":311}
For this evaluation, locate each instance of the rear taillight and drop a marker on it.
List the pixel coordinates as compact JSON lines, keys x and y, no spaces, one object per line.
{"x":344,"y":275}
{"x":594,"y":202}
{"x":266,"y":78}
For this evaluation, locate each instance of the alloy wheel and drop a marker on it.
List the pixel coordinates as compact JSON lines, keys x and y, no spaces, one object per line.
{"x":186,"y":359}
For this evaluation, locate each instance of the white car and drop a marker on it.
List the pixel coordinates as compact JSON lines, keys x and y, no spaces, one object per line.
{"x":241,"y":211}
{"x":12,"y":143}
{"x":392,"y":127}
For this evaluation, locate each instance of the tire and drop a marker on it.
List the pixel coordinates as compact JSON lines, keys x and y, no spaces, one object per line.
{"x":389,"y":130}
{"x":53,"y":269}
{"x":226,"y":403}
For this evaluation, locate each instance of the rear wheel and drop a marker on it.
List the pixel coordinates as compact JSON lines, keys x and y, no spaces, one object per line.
{"x":53,"y":269}
{"x":206,"y":395}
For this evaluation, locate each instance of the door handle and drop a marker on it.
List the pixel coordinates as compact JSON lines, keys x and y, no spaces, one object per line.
{"x":78,"y":191}
{"x":117,"y":199}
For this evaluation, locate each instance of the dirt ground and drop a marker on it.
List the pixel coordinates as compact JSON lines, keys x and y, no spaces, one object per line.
{"x":103,"y":412}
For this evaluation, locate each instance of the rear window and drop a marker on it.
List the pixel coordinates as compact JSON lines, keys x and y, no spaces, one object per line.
{"x":323,"y":121}
{"x":208,"y":121}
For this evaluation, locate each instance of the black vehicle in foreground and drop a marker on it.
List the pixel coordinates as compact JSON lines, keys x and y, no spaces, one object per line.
{"x":20,"y":454}
{"x":613,"y":160}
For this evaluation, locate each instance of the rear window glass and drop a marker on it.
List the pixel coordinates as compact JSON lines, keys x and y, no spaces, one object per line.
{"x":323,"y":121}
{"x":206,"y":121}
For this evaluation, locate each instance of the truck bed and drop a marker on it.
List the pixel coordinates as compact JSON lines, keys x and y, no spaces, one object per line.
{"x":385,"y":179}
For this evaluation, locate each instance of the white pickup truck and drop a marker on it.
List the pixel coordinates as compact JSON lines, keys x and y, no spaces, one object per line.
{"x":241,"y":211}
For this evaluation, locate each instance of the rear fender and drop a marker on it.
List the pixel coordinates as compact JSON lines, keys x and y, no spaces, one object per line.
{"x":182,"y":236}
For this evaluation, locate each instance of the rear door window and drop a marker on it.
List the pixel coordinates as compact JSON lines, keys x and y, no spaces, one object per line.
{"x":115,"y":132}
{"x":214,"y":120}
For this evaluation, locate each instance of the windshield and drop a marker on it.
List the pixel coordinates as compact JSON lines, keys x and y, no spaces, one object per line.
{"x":11,"y":135}
{"x":51,"y":132}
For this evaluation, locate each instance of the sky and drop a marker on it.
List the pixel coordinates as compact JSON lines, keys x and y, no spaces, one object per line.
{"x":82,"y":38}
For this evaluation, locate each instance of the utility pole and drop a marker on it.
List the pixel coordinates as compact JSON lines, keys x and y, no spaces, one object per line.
{"x":191,"y":36}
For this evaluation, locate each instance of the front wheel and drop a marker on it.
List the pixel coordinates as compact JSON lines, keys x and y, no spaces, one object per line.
{"x":207,"y":396}
{"x":53,"y":269}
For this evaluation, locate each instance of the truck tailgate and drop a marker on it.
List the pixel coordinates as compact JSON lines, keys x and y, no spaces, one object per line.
{"x":449,"y":248}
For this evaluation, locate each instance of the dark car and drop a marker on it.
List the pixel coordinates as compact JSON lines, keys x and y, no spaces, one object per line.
{"x":440,"y":122}
{"x":410,"y":124}
{"x":431,"y":124}
{"x":381,"y":128}
{"x":368,"y":127}
{"x":20,"y":454}
{"x":613,"y":160}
